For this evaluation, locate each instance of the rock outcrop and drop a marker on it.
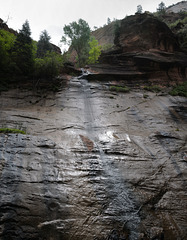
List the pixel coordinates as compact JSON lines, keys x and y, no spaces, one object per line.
{"x":105,"y":35}
{"x":97,"y":164}
{"x":94,"y":165}
{"x":143,"y":32}
{"x":56,"y":48}
{"x":177,"y":8}
{"x":4,"y":26}
{"x":146,"y":51}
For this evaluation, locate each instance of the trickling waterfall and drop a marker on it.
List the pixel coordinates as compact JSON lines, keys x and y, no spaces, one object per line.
{"x":120,"y":207}
{"x":94,"y":164}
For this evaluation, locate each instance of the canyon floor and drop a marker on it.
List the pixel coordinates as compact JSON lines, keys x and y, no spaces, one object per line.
{"x":94,"y":164}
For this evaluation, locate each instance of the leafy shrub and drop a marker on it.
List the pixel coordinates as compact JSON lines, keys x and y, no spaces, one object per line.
{"x":153,"y":88}
{"x":107,"y":46}
{"x":119,"y":89}
{"x":174,"y":24}
{"x":11,"y":130}
{"x":179,"y":90}
{"x":23,"y":51}
{"x":18,"y":60}
{"x":3,"y":85}
{"x":49,"y":66}
{"x":94,"y":52}
{"x":6,"y":44}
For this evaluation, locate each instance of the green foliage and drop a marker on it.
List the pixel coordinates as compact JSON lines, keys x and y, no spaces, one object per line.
{"x":117,"y":28}
{"x":6,"y":44}
{"x":182,"y":38}
{"x":18,"y":57}
{"x":139,"y":9}
{"x":11,"y":130}
{"x":44,"y":44}
{"x":180,"y":29}
{"x":48,"y":67}
{"x":3,"y":85}
{"x":119,"y":89}
{"x":106,"y":47}
{"x":108,"y":21}
{"x":23,"y":51}
{"x":145,"y":95}
{"x":7,"y":39}
{"x":66,"y":56}
{"x":77,"y":34}
{"x":153,"y":88}
{"x":161,"y":8}
{"x":179,"y":90}
{"x":47,"y":64}
{"x":179,"y":21}
{"x":95,"y":51}
{"x":34,"y":48}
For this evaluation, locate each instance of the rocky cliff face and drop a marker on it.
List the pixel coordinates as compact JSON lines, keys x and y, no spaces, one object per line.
{"x":179,"y":7}
{"x":4,"y":26}
{"x":143,"y":32}
{"x":94,"y":165}
{"x":105,"y":35}
{"x":146,"y":52}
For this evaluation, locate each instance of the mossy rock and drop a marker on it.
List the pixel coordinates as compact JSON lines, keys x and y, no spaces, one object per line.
{"x":119,"y":89}
{"x":11,"y":130}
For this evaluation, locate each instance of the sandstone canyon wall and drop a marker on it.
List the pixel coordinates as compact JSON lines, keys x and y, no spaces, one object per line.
{"x":93,"y":165}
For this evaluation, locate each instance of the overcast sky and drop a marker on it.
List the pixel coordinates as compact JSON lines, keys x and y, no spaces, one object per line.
{"x":52,"y":15}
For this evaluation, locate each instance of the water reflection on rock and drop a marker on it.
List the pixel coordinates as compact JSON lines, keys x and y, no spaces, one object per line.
{"x":94,"y":165}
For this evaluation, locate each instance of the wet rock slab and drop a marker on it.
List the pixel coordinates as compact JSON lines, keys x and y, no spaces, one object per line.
{"x":94,"y":165}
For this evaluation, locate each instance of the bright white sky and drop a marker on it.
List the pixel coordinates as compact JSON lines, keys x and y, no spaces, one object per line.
{"x":52,"y":15}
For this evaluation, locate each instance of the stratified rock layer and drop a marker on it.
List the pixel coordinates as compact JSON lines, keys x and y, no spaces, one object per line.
{"x":93,"y":165}
{"x":146,"y":52}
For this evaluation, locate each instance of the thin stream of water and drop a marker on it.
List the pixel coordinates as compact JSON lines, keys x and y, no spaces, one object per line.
{"x":121,"y":207}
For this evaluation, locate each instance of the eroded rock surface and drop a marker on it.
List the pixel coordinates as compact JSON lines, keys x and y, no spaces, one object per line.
{"x":93,"y":165}
{"x":146,"y":51}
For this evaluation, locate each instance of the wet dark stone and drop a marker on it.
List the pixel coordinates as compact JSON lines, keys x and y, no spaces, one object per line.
{"x":100,"y":168}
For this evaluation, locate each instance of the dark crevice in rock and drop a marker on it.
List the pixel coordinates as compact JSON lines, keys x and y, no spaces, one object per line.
{"x":33,"y":118}
{"x":162,"y":135}
{"x":12,"y":206}
{"x":156,"y":198}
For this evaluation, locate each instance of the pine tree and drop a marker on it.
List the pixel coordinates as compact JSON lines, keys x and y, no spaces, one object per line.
{"x":139,"y":9}
{"x":23,"y":54}
{"x":44,"y":44}
{"x":161,"y":8}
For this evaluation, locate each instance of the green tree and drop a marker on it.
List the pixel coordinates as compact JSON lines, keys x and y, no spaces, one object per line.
{"x":23,"y":51}
{"x":49,"y":66}
{"x":117,"y":26}
{"x":77,"y":35}
{"x":6,"y":44}
{"x":161,"y":8}
{"x":139,"y":9}
{"x":44,"y":44}
{"x":108,"y":21}
{"x":95,"y":51}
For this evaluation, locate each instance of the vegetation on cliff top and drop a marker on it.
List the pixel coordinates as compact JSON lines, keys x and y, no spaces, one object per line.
{"x":78,"y":36}
{"x":21,"y":58}
{"x":177,"y":22}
